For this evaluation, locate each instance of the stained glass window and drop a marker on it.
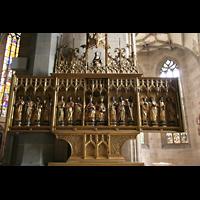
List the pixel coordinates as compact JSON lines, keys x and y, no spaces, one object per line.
{"x":142,"y":137}
{"x":184,"y":137}
{"x":11,"y":50}
{"x":176,"y":138}
{"x":169,"y":138}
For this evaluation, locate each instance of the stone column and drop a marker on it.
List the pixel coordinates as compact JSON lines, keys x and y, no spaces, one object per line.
{"x":45,"y":51}
{"x":138,"y":138}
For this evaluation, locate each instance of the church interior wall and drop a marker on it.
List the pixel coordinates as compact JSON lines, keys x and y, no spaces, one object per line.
{"x":150,"y":63}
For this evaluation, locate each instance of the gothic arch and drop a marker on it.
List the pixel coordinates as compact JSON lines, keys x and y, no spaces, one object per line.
{"x":164,"y":57}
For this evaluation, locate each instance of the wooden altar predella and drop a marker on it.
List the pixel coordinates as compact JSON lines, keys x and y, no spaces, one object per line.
{"x":77,"y":104}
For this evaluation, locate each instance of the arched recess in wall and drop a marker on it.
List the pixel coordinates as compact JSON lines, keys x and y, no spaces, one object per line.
{"x":62,"y":150}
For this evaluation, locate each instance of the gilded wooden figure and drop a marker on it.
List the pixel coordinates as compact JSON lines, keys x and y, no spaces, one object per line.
{"x":18,"y":110}
{"x":162,"y":112}
{"x":101,"y":113}
{"x":113,"y":114}
{"x":153,"y":111}
{"x":97,"y":60}
{"x":28,"y":111}
{"x":121,"y":111}
{"x":61,"y":111}
{"x":47,"y":110}
{"x":78,"y":111}
{"x":144,"y":111}
{"x":90,"y":112}
{"x":38,"y":111}
{"x":171,"y":110}
{"x":130,"y":111}
{"x":70,"y":111}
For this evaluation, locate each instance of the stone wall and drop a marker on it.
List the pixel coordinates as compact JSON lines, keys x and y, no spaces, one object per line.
{"x":183,"y":154}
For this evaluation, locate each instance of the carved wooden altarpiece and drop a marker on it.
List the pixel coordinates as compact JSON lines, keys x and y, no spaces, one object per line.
{"x":74,"y":77}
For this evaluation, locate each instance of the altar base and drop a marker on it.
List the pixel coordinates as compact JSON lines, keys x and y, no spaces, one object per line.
{"x":96,"y":164}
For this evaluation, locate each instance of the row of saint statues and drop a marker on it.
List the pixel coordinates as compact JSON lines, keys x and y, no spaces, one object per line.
{"x":95,"y":114}
{"x":151,"y":108}
{"x":29,"y":107}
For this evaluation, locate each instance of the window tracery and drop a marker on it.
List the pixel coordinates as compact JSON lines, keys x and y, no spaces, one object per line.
{"x":169,"y":69}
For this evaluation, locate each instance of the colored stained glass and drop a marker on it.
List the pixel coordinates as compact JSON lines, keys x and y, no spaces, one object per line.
{"x":184,"y":138}
{"x":142,"y":137}
{"x":169,"y":138}
{"x":176,"y":138}
{"x":11,"y":50}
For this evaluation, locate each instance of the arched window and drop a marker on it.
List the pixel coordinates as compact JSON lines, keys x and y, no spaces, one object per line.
{"x":12,"y":50}
{"x":169,"y":69}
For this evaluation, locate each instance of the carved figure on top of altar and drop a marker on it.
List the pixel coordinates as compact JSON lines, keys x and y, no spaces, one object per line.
{"x":97,"y":60}
{"x":28,"y":110}
{"x":47,"y":110}
{"x":121,"y":111}
{"x":130,"y":111}
{"x":38,"y":111}
{"x":70,"y":110}
{"x":144,"y":111}
{"x":18,"y":110}
{"x":96,"y":40}
{"x":100,"y":41}
{"x":78,"y":111}
{"x":61,"y":111}
{"x":171,"y":110}
{"x":113,"y":113}
{"x":101,"y":113}
{"x":90,"y":111}
{"x":162,"y":112}
{"x":153,"y":111}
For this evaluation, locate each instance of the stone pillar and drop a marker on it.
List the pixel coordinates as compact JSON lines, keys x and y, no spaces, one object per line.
{"x":45,"y":51}
{"x":138,"y":138}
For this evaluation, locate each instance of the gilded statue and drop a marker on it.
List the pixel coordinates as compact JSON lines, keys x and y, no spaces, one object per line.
{"x":144,"y":111}
{"x":38,"y":111}
{"x":153,"y":111}
{"x":47,"y":110}
{"x":101,"y":112}
{"x":61,"y":111}
{"x":90,"y":112}
{"x":113,"y":114}
{"x":18,"y":110}
{"x":70,"y":110}
{"x":162,"y":112}
{"x":171,"y":110}
{"x":78,"y":111}
{"x":95,"y":41}
{"x":97,"y":60}
{"x":121,"y":111}
{"x":100,"y":41}
{"x":130,"y":110}
{"x":28,"y":110}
